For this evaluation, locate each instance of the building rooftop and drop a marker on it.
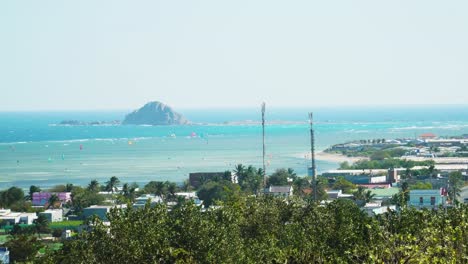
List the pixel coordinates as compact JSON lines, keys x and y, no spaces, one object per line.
{"x":280,"y":189}
{"x":385,"y":192}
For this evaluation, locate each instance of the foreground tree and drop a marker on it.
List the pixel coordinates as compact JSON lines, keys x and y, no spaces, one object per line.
{"x":270,"y":230}
{"x":41,"y":224}
{"x":23,"y":248}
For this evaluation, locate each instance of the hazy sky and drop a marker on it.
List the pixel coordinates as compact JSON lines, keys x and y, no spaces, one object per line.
{"x":121,"y":54}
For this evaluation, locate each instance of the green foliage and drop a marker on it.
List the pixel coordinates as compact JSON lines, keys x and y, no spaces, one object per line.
{"x":455,"y":184}
{"x":33,"y":189}
{"x":23,"y":248}
{"x":421,"y":186}
{"x":388,"y":163}
{"x":57,"y":232}
{"x":363,"y":196}
{"x":250,"y":179}
{"x":222,"y":191}
{"x":163,"y":189}
{"x":112,"y":184}
{"x":82,"y":198}
{"x":11,"y":196}
{"x":58,"y":188}
{"x":344,"y":185}
{"x":22,"y":230}
{"x":93,"y":186}
{"x":269,"y":230}
{"x":280,"y":177}
{"x":41,"y":224}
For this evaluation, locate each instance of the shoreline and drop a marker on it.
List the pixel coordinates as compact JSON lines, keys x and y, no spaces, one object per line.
{"x":331,"y":157}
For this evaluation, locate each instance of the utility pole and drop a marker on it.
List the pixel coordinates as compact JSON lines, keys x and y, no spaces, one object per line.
{"x":312,"y":156}
{"x":263,"y":138}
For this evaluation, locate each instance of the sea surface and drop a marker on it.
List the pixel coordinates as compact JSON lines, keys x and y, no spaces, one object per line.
{"x":34,"y":150}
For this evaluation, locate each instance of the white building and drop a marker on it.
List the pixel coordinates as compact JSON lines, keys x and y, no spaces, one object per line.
{"x":141,"y":201}
{"x":337,"y":194}
{"x":53,"y":215}
{"x":376,"y":208}
{"x":9,"y":217}
{"x":281,"y":191}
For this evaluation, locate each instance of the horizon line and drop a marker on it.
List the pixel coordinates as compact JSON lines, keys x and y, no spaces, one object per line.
{"x":239,"y":108}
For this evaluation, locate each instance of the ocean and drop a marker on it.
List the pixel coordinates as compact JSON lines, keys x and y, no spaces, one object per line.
{"x":36,"y":151}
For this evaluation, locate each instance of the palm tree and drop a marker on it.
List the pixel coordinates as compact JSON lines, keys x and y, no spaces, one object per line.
{"x":32,"y":190}
{"x":186,"y":187}
{"x":359,"y":194}
{"x":260,"y":171}
{"x":239,"y":170}
{"x":41,"y":223}
{"x":69,"y":187}
{"x":300,"y":184}
{"x":171,"y":189}
{"x":160,"y":189}
{"x":112,"y":184}
{"x":93,"y":186}
{"x":432,"y":171}
{"x":292,"y":173}
{"x":368,"y":196}
{"x":125,"y":189}
{"x":53,"y":200}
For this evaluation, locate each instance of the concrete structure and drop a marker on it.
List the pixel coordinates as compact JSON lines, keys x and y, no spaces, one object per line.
{"x":42,"y":198}
{"x":338,"y":194}
{"x":426,"y":198}
{"x":100,"y":211}
{"x":376,"y":208}
{"x":280,"y":191}
{"x":446,"y":142}
{"x":190,"y":196}
{"x":53,"y":215}
{"x":336,"y":173}
{"x":426,"y":136}
{"x":384,"y":193}
{"x":7,"y":217}
{"x":141,"y":201}
{"x":4,"y":255}
{"x":360,"y":176}
{"x":27,"y":218}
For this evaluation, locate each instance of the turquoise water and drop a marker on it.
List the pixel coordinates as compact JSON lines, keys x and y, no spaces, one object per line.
{"x":35,"y":151}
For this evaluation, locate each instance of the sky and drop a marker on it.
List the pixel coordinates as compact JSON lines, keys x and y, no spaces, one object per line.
{"x":110,"y":54}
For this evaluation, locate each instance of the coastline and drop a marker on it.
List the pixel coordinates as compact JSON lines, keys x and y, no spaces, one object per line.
{"x":332,"y":157}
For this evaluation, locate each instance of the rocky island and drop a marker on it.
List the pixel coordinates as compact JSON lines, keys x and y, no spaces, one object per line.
{"x":155,"y":113}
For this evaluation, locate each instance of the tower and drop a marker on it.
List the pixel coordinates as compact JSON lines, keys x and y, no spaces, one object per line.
{"x":263,"y":143}
{"x":312,"y":156}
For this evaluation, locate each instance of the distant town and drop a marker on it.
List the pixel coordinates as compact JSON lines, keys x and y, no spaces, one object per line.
{"x":390,"y":175}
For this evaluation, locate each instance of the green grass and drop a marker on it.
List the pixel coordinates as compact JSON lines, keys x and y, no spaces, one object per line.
{"x":64,"y":224}
{"x":4,"y":238}
{"x":53,"y":246}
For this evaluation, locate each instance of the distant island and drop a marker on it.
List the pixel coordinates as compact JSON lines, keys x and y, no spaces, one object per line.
{"x":152,"y":113}
{"x":155,"y":113}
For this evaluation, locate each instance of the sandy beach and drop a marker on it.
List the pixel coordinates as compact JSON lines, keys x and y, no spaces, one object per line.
{"x":332,"y":157}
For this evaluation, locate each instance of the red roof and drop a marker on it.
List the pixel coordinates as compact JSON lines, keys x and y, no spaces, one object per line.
{"x":427,"y":135}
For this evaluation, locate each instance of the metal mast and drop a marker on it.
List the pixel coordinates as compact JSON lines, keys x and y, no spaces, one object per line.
{"x":312,"y":155}
{"x":263,"y":142}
